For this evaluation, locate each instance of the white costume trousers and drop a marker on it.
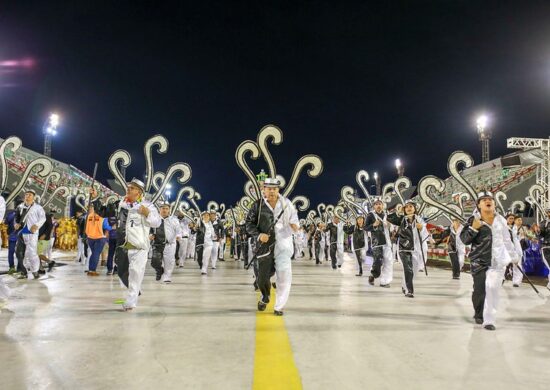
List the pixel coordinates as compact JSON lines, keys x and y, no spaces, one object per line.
{"x":31,"y":261}
{"x":283,"y":271}
{"x":168,"y":261}
{"x":184,"y":243}
{"x":386,"y":273}
{"x":221,"y":250}
{"x":137,"y":260}
{"x":214,"y":255}
{"x":206,"y":254}
{"x":493,"y":283}
{"x":340,"y":254}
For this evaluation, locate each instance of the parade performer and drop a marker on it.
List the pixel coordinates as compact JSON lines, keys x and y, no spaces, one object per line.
{"x":379,"y":229}
{"x":492,"y":250}
{"x":455,"y":248}
{"x":359,"y":241}
{"x":217,"y":237}
{"x":164,"y":240}
{"x":545,"y":236}
{"x":271,"y":222}
{"x":205,"y":232}
{"x":409,"y":241}
{"x":336,"y":229}
{"x":29,"y":218}
{"x":135,"y":218}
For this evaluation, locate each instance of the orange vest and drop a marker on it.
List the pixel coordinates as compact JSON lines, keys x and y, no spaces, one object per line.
{"x":94,"y":227}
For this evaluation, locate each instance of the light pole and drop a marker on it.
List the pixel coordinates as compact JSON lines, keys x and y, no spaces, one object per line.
{"x":400,"y":168}
{"x":377,"y":180}
{"x":49,"y":129}
{"x":484,"y":136}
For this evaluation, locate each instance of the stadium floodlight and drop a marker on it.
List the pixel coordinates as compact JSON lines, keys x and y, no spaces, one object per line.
{"x":49,"y":129}
{"x":400,"y":168}
{"x":378,"y":182}
{"x":482,"y":125}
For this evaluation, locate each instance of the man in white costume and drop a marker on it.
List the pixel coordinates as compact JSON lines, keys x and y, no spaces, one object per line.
{"x":336,"y":229}
{"x":30,"y":216}
{"x":379,"y":229}
{"x":184,"y":242}
{"x":271,"y":222}
{"x":136,"y":217}
{"x":165,"y":239}
{"x":492,"y":250}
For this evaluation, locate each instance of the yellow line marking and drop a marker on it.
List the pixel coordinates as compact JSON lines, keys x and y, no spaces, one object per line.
{"x":274,"y":366}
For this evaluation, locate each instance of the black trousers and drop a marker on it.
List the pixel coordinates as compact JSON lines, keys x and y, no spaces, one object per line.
{"x":333,"y":255}
{"x":378,"y":256}
{"x":232,"y":247}
{"x":266,"y":268}
{"x":359,"y":261}
{"x":20,"y":249}
{"x":455,"y":264}
{"x":309,"y":247}
{"x":122,"y":264}
{"x":406,"y":259}
{"x":245,"y":252}
{"x":478,"y":295}
{"x":156,"y":259}
{"x":317,"y":252}
{"x":326,"y":253}
{"x":198,"y":254}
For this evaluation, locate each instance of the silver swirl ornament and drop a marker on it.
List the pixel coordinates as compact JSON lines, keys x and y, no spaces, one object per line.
{"x":248,"y":147}
{"x":361,"y":178}
{"x":14,"y":143}
{"x":300,"y":202}
{"x":45,"y":166}
{"x":387,"y":191}
{"x":400,"y":185}
{"x":316,"y":168}
{"x":275,"y":135}
{"x":455,"y":159}
{"x":184,"y":171}
{"x":429,"y":183}
{"x":517,"y":207}
{"x":123,"y":158}
{"x":162,"y":143}
{"x":499,"y":197}
{"x":212,"y":206}
{"x":535,"y":193}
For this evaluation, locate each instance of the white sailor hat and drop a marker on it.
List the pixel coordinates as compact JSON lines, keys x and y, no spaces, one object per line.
{"x":137,"y":183}
{"x":31,"y":191}
{"x":164,"y":204}
{"x":484,"y":195}
{"x":377,"y":200}
{"x":272,"y":182}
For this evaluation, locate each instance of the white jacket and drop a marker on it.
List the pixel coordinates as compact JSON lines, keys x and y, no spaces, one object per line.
{"x":137,"y":226}
{"x":2,"y":208}
{"x":34,"y":217}
{"x":172,"y":229}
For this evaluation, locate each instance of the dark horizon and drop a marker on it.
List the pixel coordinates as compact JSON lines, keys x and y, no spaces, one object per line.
{"x":357,"y":84}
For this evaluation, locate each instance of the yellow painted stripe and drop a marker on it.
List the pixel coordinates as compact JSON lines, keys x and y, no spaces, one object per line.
{"x":274,"y":366}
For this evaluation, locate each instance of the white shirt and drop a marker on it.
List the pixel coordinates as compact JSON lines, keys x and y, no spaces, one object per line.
{"x":283,"y":230}
{"x":172,"y":229}
{"x":35,"y":216}
{"x":184,"y":226}
{"x":208,"y":232}
{"x":2,"y":208}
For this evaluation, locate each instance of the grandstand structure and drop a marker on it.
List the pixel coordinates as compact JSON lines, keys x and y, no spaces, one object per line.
{"x":76,"y":180}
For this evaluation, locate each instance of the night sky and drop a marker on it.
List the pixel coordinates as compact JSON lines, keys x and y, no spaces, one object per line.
{"x":357,"y":83}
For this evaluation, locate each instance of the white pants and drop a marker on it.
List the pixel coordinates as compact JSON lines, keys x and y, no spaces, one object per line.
{"x":31,"y":261}
{"x":283,"y":267}
{"x":493,"y":283}
{"x":50,"y":249}
{"x":168,"y":261}
{"x":418,"y":261}
{"x":221,"y":250}
{"x":367,"y":262}
{"x":386,"y":272}
{"x":184,"y":243}
{"x":545,"y":261}
{"x":190,"y":249}
{"x":340,"y":254}
{"x":214,"y":255}
{"x":206,"y":255}
{"x":517,"y":277}
{"x":137,"y":259}
{"x":81,"y":256}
